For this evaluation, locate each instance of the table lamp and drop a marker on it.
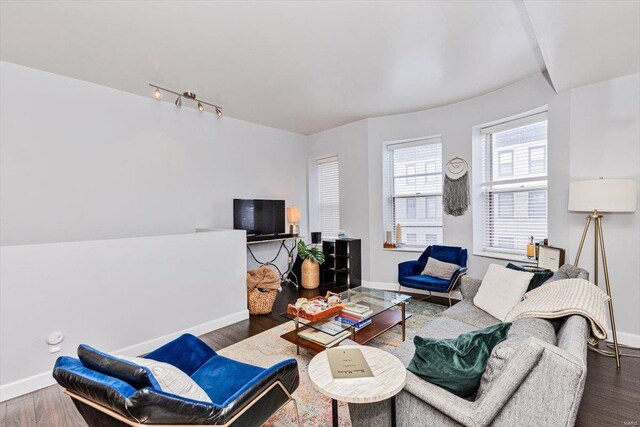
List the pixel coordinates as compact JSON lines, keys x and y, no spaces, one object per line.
{"x":294,"y":216}
{"x":597,"y":196}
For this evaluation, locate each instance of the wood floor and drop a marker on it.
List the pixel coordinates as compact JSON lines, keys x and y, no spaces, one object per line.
{"x":611,"y":397}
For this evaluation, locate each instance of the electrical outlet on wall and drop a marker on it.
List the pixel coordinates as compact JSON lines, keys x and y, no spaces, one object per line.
{"x":55,"y":338}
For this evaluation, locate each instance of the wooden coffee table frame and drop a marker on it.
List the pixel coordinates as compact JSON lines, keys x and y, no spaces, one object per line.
{"x":380,"y":323}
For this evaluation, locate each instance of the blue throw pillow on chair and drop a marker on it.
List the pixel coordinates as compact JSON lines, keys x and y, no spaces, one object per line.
{"x":129,"y":372}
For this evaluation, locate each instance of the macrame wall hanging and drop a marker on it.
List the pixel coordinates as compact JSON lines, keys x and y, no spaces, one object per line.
{"x":455,"y":194}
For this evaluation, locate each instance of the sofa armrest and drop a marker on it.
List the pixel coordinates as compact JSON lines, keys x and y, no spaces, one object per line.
{"x":409,"y":268}
{"x":454,"y":407}
{"x":469,"y":287}
{"x":187,"y":353}
{"x":482,"y":411}
{"x":505,"y":386}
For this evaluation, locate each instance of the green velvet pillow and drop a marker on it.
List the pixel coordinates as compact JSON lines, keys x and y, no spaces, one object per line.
{"x":457,"y":364}
{"x":539,"y":277}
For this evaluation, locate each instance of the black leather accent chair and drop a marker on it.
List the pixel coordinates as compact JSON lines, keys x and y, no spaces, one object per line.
{"x":109,"y":391}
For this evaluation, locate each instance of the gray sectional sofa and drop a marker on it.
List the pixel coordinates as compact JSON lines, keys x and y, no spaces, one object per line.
{"x":534,"y":378}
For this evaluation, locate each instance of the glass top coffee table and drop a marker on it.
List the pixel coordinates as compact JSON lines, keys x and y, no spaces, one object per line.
{"x":386,"y":310}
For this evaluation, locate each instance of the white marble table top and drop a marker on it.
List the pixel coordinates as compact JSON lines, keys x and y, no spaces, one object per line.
{"x":389,"y":376}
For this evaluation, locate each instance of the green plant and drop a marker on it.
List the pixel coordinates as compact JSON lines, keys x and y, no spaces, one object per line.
{"x":314,"y":254}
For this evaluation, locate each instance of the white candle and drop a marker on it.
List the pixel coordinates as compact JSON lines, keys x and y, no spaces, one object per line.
{"x":398,"y":233}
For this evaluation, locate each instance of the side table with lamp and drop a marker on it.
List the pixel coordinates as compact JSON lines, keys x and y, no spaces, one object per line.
{"x":598,"y":196}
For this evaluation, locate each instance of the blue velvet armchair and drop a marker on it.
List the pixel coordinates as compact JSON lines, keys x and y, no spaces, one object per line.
{"x":109,"y":391}
{"x":409,"y":272}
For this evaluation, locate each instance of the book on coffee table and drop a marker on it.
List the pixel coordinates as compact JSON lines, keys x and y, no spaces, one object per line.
{"x":348,"y":364}
{"x":322,"y":338}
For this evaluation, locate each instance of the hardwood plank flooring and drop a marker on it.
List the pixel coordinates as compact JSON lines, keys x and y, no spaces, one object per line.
{"x":21,"y":411}
{"x":3,"y":414}
{"x":611,"y":397}
{"x":46,"y":404}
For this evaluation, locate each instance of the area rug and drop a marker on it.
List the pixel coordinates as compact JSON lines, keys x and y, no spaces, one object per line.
{"x":267,"y":348}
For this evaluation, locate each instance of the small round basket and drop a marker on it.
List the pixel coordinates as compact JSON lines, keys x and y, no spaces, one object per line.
{"x":261,"y":301}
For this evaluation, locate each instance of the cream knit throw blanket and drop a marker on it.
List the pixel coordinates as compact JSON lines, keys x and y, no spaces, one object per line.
{"x":564,"y":298}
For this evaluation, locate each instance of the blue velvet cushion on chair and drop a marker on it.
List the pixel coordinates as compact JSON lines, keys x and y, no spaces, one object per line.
{"x":239,"y":391}
{"x":222,"y":377}
{"x":410,"y":272}
{"x":427,"y":282}
{"x":187,"y":361}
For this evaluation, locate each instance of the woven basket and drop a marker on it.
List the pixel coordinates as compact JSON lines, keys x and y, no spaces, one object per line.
{"x":261,"y":301}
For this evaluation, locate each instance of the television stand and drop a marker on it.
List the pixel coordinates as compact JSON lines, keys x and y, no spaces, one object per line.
{"x":283,"y":239}
{"x":268,"y":237}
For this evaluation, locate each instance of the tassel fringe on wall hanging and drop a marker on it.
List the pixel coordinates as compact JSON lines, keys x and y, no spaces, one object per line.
{"x":455,"y":194}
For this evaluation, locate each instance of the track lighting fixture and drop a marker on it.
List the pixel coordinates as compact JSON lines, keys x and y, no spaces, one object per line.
{"x":157,"y":93}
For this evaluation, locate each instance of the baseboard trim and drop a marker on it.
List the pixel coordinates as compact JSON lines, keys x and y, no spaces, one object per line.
{"x":386,"y":286}
{"x":625,"y":338}
{"x":44,"y":379}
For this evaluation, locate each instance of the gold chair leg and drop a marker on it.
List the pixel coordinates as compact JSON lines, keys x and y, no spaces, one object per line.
{"x":295,"y":405}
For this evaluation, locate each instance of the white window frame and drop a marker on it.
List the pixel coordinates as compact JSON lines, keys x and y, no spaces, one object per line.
{"x":535,"y":181}
{"x":389,"y":196}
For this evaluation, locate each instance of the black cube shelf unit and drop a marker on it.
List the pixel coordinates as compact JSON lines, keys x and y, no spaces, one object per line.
{"x":343,"y":265}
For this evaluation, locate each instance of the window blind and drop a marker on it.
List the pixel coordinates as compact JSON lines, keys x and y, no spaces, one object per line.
{"x":414,"y":193}
{"x":329,"y":194}
{"x":514,"y":187}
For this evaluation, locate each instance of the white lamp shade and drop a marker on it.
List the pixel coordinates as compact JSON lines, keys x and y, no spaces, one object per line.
{"x":293,"y":215}
{"x":603,"y":195}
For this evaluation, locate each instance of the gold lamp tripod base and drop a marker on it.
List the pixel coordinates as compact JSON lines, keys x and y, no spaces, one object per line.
{"x":599,"y":246}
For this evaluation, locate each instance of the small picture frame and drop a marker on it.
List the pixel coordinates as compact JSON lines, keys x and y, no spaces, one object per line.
{"x":550,"y":257}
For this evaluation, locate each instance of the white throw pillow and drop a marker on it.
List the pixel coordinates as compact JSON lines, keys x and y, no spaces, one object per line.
{"x":439,"y":269}
{"x":501,"y":289}
{"x":171,"y":379}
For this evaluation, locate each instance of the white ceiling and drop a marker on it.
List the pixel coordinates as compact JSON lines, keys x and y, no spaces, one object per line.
{"x":585,"y":42}
{"x":300,"y":66}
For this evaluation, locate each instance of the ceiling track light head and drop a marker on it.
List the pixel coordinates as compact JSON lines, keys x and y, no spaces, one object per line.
{"x":200,"y":107}
{"x":219,"y":111}
{"x":179,"y":101}
{"x":189,"y":95}
{"x":157,"y":94}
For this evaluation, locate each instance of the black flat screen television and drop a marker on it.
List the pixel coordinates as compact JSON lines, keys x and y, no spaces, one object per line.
{"x":259,"y":217}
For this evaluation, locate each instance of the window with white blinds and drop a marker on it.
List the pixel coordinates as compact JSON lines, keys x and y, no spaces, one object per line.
{"x":414,"y":194}
{"x":514,"y":187}
{"x":329,"y":194}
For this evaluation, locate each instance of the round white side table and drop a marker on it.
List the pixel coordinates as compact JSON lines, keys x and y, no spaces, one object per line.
{"x":389,"y":377}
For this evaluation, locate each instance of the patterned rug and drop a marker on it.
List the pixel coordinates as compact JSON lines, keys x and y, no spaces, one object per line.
{"x":267,"y":348}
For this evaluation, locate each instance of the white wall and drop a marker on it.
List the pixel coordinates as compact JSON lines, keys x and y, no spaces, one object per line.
{"x":349,"y":142}
{"x":605,"y":141}
{"x":455,"y":122}
{"x":81,"y":161}
{"x":133,"y":294}
{"x":606,"y":112}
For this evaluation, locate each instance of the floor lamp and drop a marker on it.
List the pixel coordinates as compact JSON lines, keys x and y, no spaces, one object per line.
{"x":597,"y":196}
